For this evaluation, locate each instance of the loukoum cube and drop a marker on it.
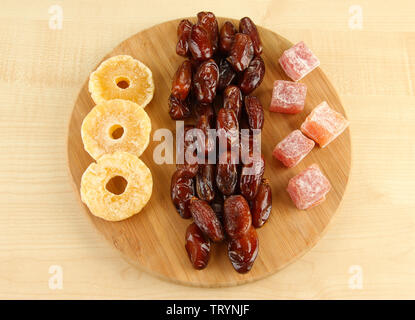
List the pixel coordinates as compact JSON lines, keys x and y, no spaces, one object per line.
{"x":298,"y":61}
{"x":293,"y":148}
{"x":323,"y":124}
{"x":288,"y":97}
{"x":308,"y":188}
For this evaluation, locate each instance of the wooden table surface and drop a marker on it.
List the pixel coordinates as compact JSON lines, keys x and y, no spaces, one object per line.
{"x":369,"y":249}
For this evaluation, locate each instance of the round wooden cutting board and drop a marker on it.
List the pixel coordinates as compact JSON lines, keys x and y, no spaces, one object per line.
{"x":153,"y":240}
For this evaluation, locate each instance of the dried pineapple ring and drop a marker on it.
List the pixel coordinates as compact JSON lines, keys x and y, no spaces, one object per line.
{"x":110,"y":206}
{"x":116,"y":125}
{"x":122,"y":77}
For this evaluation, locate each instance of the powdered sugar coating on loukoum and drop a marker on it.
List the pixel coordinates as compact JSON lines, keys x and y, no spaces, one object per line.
{"x":308,"y":188}
{"x":293,"y":148}
{"x":298,"y":61}
{"x":324,"y":124}
{"x":288,"y":97}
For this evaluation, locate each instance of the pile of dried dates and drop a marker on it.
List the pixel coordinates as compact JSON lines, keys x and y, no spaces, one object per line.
{"x":212,"y":87}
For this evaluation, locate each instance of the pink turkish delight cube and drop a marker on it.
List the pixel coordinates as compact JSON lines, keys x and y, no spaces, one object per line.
{"x":293,"y":148}
{"x":323,"y":124}
{"x":288,"y":97}
{"x":308,"y":188}
{"x":298,"y":61}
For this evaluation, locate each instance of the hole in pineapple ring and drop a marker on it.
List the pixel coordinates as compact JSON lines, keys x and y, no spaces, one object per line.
{"x":116,"y":185}
{"x":122,"y":82}
{"x":116,"y":131}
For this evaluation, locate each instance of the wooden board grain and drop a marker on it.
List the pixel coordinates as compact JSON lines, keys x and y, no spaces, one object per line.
{"x":153,"y":240}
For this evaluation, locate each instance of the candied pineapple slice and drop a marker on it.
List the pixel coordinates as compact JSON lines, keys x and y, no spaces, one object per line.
{"x":122,"y":77}
{"x":117,"y":206}
{"x":116,"y":125}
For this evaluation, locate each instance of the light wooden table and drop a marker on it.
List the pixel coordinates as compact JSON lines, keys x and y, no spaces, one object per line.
{"x":42,"y":70}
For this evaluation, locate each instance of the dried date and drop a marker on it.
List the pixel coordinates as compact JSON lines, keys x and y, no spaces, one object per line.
{"x":181,"y":149}
{"x":252,"y":76}
{"x":182,"y":190}
{"x":226,"y":74}
{"x":227,"y":126}
{"x":236,"y":216}
{"x":262,"y":204}
{"x":248,"y":27}
{"x":208,"y":21}
{"x":205,"y":182}
{"x":197,"y":247}
{"x":247,"y":143}
{"x":182,"y":81}
{"x":178,"y":109}
{"x":226,"y":173}
{"x":206,"y":219}
{"x":255,"y":112}
{"x":243,"y":251}
{"x":251,"y":177}
{"x":232,"y":99}
{"x":183,"y":33}
{"x":241,"y":53}
{"x":227,"y":37}
{"x":205,"y":81}
{"x":199,"y":43}
{"x":204,"y":123}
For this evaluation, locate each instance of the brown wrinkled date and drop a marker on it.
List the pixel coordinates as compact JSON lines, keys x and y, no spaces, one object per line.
{"x":182,"y":146}
{"x":243,"y":251}
{"x":183,"y":33}
{"x":199,"y":43}
{"x":206,"y":219}
{"x":204,"y":123}
{"x":249,"y":143}
{"x":262,"y":204}
{"x":208,"y":21}
{"x":255,"y":112}
{"x":236,"y":216}
{"x":248,"y":27}
{"x":252,"y":76}
{"x":232,"y":99}
{"x":227,"y":125}
{"x":205,"y":182}
{"x":197,"y":247}
{"x":205,"y":81}
{"x":182,"y":190}
{"x":227,"y":37}
{"x":251,"y":177}
{"x":223,"y":67}
{"x":182,"y":81}
{"x":226,"y":174}
{"x":178,"y":109}
{"x":226,"y":74}
{"x":241,"y":53}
